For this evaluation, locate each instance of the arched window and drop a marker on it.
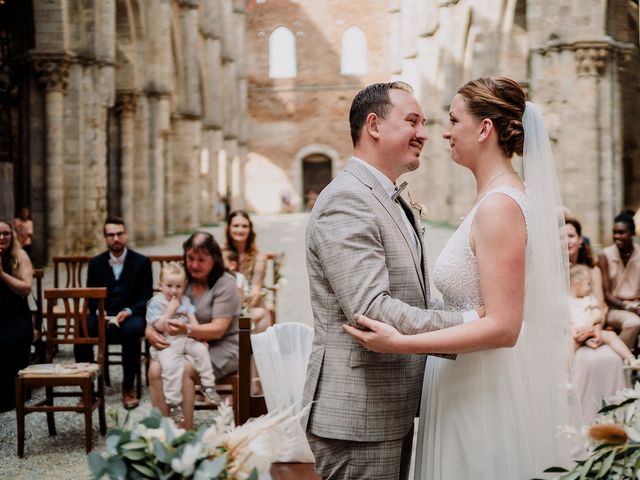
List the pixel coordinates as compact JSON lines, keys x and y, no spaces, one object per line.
{"x":354,"y":52}
{"x":282,"y":54}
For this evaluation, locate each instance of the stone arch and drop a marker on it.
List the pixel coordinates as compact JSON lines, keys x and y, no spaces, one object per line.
{"x":282,"y":53}
{"x":353,"y":52}
{"x":312,"y":153}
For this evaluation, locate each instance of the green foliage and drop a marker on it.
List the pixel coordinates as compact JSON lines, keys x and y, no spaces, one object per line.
{"x":610,"y":459}
{"x":156,"y":449}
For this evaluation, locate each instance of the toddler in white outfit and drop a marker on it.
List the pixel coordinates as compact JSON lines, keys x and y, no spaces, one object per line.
{"x":587,"y":318}
{"x":170,"y":303}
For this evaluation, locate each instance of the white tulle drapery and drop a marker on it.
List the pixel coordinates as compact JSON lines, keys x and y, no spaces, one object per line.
{"x":545,"y":343}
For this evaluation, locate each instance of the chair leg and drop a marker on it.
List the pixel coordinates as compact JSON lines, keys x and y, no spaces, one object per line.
{"x":101,"y":407}
{"x":20,"y":415}
{"x":139,"y":382}
{"x":235,"y":398}
{"x":87,"y":390}
{"x":107,"y":378}
{"x":51,"y":423}
{"x":147,"y":357}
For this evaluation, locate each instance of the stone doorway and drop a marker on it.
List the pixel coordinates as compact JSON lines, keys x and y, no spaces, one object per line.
{"x":16,"y":38}
{"x":316,"y":174}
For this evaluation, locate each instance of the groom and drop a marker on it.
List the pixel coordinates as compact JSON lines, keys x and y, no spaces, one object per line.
{"x":365,"y":256}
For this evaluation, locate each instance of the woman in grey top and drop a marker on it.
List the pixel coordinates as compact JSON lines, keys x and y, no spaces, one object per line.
{"x":213,"y":292}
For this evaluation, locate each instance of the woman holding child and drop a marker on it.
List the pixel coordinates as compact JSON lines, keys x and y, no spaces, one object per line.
{"x":597,"y":371}
{"x":212,"y":290}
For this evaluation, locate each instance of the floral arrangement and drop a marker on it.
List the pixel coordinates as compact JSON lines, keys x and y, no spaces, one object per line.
{"x":614,"y":441}
{"x":420,"y":209}
{"x":156,"y":449}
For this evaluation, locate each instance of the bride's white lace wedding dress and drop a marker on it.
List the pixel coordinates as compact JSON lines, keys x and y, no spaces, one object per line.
{"x":473,"y":417}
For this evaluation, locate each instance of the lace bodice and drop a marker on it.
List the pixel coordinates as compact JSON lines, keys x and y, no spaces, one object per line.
{"x":455,"y":272}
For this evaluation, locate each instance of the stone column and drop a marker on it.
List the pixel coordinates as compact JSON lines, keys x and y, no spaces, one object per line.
{"x":125,"y":109}
{"x":588,"y":170}
{"x":52,"y":76}
{"x":158,"y":154}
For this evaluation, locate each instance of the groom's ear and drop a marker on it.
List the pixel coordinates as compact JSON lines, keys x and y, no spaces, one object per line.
{"x":371,"y":125}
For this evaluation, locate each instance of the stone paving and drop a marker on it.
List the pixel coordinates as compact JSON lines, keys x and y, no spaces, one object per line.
{"x":63,"y":456}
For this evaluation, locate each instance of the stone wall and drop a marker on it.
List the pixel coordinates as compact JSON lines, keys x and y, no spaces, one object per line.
{"x":137,"y":98}
{"x":292,"y":118}
{"x":579,"y":62}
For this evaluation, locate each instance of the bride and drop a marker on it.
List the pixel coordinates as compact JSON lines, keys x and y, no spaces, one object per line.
{"x":494,"y":412}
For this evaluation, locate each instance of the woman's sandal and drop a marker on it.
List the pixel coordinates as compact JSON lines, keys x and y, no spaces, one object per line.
{"x":629,"y":364}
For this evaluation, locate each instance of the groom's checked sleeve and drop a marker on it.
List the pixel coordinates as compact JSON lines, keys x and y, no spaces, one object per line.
{"x":348,"y":240}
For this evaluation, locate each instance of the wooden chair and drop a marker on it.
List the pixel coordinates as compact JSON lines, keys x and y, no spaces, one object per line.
{"x":275,"y":261}
{"x":238,"y":384}
{"x":75,"y":302}
{"x":68,"y":273}
{"x":37,"y":316}
{"x":73,"y":267}
{"x":249,"y":406}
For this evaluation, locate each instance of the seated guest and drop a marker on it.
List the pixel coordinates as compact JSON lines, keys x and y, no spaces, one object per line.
{"x":241,"y":239}
{"x":127,"y":276}
{"x":16,"y":330}
{"x":596,"y":373}
{"x":587,"y":318}
{"x":212,"y":290}
{"x":230,"y":259}
{"x":620,"y":265}
{"x":167,"y":306}
{"x":24,"y":228}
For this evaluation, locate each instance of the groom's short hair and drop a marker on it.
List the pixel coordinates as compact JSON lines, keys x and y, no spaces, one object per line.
{"x":372,"y":99}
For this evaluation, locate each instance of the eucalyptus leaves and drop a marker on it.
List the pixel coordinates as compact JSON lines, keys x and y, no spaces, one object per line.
{"x":157,"y":449}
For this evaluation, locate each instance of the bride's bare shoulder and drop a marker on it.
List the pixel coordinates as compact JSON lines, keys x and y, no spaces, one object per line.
{"x":499,"y":217}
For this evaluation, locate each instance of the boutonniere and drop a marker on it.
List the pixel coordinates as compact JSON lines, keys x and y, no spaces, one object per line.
{"x":420,"y":209}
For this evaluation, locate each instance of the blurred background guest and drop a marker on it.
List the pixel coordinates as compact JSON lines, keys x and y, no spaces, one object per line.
{"x":16,"y":330}
{"x":597,"y":372}
{"x":241,"y":239}
{"x":24,"y":228}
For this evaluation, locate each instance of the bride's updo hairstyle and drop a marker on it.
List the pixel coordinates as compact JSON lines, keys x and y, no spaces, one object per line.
{"x":503,"y":101}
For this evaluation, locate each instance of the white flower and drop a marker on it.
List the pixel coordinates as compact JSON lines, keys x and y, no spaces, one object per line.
{"x":185,"y":465}
{"x":625,"y":394}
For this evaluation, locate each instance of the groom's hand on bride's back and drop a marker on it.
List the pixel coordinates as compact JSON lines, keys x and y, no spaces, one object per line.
{"x":481,"y":311}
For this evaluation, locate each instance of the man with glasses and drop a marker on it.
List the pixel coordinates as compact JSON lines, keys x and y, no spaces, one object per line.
{"x":127,"y":276}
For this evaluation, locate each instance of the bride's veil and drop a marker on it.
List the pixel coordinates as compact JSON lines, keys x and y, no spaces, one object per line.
{"x":546,"y":339}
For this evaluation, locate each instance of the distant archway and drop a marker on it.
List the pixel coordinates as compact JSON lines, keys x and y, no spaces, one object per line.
{"x":316,"y":174}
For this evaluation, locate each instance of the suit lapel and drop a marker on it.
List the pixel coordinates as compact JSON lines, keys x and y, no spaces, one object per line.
{"x":417,"y":226}
{"x":390,"y":206}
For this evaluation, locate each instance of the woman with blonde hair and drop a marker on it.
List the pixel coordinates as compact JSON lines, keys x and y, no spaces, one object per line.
{"x":16,"y":330}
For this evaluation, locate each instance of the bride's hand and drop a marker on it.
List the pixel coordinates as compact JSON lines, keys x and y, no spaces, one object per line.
{"x":380,"y":337}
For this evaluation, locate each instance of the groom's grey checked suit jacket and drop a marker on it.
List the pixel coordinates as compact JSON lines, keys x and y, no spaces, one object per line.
{"x":362,"y":259}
